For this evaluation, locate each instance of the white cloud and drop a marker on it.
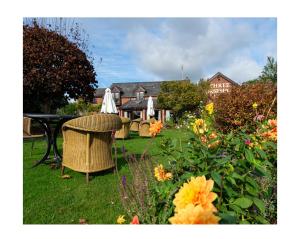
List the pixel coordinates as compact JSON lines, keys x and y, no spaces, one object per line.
{"x":241,"y":69}
{"x":203,"y":46}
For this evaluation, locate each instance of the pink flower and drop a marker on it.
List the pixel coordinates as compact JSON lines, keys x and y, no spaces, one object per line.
{"x":247,"y":141}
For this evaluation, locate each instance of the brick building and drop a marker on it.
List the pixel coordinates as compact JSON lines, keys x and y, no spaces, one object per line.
{"x":219,"y":83}
{"x":131,"y":99}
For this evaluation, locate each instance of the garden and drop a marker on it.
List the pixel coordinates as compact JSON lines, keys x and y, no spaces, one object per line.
{"x":201,"y":170}
{"x":213,"y":162}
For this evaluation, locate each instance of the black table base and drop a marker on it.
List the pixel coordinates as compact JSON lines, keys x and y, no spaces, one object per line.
{"x":46,"y":121}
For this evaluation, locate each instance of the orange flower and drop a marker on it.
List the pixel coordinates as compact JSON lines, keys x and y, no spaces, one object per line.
{"x":160,"y":173}
{"x":155,"y":128}
{"x":203,"y":139}
{"x":198,"y":192}
{"x":192,"y":214}
{"x":213,"y":135}
{"x":135,"y":220}
{"x":272,"y":123}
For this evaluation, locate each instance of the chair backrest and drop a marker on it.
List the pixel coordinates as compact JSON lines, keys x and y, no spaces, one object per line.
{"x":26,"y":126}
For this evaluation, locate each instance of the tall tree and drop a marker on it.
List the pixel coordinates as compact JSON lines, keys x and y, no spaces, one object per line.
{"x":54,"y":70}
{"x":179,"y":96}
{"x":270,"y":70}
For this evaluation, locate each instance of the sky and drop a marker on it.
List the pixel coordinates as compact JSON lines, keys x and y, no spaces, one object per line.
{"x":155,"y":49}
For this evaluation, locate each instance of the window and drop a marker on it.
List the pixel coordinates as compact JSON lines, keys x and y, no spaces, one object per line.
{"x":139,"y":95}
{"x":116,"y":97}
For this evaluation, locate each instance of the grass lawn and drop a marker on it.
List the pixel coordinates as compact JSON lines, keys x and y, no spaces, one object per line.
{"x":49,"y":199}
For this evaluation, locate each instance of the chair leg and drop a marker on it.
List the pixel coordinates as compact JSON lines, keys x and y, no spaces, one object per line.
{"x":32,"y":144}
{"x":87,"y":177}
{"x":62,"y":170}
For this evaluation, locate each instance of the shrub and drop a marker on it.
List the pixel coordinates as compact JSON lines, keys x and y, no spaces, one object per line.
{"x":227,"y":178}
{"x":235,"y":109}
{"x":79,"y":108}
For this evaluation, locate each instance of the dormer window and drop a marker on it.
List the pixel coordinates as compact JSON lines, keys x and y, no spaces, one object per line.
{"x":140,"y":95}
{"x":116,"y":97}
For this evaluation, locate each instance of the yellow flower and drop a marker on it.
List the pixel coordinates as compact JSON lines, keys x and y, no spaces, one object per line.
{"x":209,"y":108}
{"x":198,"y":192}
{"x":192,"y":214}
{"x":199,"y":126}
{"x":160,"y":173}
{"x":121,"y":219}
{"x":199,"y":122}
{"x":254,"y":105}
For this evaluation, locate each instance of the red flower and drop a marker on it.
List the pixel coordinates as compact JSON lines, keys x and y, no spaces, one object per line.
{"x":135,"y":220}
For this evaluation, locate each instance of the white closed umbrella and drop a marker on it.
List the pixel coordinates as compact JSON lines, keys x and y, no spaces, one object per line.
{"x":150,"y":108}
{"x":108,"y":104}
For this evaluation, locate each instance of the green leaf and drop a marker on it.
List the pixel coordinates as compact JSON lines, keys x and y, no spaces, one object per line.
{"x":243,"y":202}
{"x":261,"y":153}
{"x":253,"y":191}
{"x":230,"y":191}
{"x":261,"y":219}
{"x":237,"y":176}
{"x":186,"y":176}
{"x":249,"y":156}
{"x":252,"y":182}
{"x":228,"y":217}
{"x":237,"y":147}
{"x":260,"y":204}
{"x":231,"y":180}
{"x":244,"y":222}
{"x":235,"y":208}
{"x":262,"y":171}
{"x":217,"y":178}
{"x":223,"y":160}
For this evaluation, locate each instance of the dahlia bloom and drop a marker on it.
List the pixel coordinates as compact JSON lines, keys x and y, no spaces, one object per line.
{"x":192,"y":214}
{"x":198,"y":192}
{"x":161,"y":174}
{"x":155,"y":128}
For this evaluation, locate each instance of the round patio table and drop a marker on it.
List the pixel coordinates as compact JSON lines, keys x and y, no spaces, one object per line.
{"x":46,"y":120}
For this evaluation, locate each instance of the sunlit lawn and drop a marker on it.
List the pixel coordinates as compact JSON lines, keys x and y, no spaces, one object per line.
{"x":49,"y":199}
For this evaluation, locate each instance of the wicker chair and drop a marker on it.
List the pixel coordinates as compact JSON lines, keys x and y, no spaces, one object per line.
{"x":135,"y":125}
{"x":144,"y":128}
{"x":123,"y":133}
{"x":27,"y":135}
{"x":87,"y":143}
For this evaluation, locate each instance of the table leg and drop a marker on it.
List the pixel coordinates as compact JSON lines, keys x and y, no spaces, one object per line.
{"x":57,"y":156}
{"x":47,"y":129}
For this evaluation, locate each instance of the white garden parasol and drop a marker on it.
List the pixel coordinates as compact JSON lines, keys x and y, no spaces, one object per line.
{"x":108,"y":104}
{"x":150,"y":108}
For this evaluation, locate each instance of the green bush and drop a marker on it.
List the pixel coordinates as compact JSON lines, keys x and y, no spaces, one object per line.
{"x":235,"y":110}
{"x":79,"y":108}
{"x":243,"y":167}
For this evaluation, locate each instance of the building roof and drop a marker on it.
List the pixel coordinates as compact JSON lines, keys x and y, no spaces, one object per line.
{"x":129,"y":89}
{"x":100,"y":92}
{"x":219,"y":74}
{"x":137,"y":104}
